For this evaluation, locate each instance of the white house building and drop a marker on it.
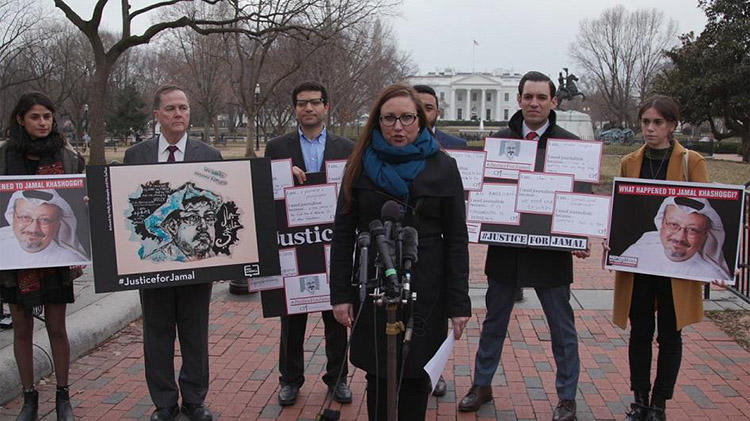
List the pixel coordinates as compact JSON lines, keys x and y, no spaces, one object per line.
{"x":473,"y":96}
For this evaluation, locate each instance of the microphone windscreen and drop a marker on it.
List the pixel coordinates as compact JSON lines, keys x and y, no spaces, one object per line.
{"x":392,"y":211}
{"x":376,"y":227}
{"x":364,"y":239}
{"x":410,"y":249}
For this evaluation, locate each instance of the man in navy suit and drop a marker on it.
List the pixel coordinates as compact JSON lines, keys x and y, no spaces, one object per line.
{"x":429,"y":99}
{"x":182,"y":308}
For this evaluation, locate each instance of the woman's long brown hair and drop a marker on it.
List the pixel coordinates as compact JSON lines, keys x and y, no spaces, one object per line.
{"x":354,"y":164}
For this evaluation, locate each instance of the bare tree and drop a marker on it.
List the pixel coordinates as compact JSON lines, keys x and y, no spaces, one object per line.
{"x":354,"y":66}
{"x":621,"y":53}
{"x":251,"y":18}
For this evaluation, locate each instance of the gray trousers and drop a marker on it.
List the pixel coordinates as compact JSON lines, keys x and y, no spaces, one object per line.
{"x":186,"y":309}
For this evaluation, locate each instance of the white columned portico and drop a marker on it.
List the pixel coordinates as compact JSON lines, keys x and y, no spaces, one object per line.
{"x":453,"y":104}
{"x":498,"y":110}
{"x":467,"y":111}
{"x":481,"y":110}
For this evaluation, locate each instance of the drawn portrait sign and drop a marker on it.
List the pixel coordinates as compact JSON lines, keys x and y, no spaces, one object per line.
{"x":675,"y":229}
{"x":193,"y":222}
{"x":43,"y":221}
{"x":307,"y":232}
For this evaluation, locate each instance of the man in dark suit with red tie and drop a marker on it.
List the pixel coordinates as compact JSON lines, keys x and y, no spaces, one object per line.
{"x":182,"y":307}
{"x":549,"y":272}
{"x":309,"y":147}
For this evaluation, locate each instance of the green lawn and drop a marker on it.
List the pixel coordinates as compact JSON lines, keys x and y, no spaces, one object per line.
{"x":721,"y":171}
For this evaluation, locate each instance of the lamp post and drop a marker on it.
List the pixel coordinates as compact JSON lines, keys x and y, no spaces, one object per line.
{"x":85,"y":122}
{"x":257,"y":121}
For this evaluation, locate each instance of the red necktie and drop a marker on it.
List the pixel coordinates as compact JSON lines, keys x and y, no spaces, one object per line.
{"x":530,"y":135}
{"x":171,"y":149}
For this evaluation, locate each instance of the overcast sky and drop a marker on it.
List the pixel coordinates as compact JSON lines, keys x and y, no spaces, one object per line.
{"x":512,"y":34}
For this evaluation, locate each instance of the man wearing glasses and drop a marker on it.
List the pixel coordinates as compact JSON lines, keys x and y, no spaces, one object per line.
{"x":186,"y":306}
{"x":190,"y":226}
{"x":309,"y":147}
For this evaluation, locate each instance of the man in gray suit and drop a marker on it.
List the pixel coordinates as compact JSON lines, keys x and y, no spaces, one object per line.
{"x":184,"y":307}
{"x":309,"y":147}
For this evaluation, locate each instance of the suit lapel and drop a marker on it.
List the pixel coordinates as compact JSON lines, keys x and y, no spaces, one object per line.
{"x":152,"y":152}
{"x":191,"y":147}
{"x":296,"y":150}
{"x":329,"y":150}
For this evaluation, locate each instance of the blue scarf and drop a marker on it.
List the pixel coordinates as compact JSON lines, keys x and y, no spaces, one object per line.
{"x":393,"y":168}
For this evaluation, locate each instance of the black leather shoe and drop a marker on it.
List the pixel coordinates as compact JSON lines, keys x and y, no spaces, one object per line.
{"x":656,"y":414}
{"x":30,"y":409}
{"x":62,"y":404}
{"x":342,"y":393}
{"x":440,"y":388}
{"x":165,"y":414}
{"x":197,"y":412}
{"x":288,"y":394}
{"x":519,"y":295}
{"x":476,"y":397}
{"x":565,"y":411}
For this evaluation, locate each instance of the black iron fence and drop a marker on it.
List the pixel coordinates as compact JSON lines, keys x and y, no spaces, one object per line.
{"x":742,"y":287}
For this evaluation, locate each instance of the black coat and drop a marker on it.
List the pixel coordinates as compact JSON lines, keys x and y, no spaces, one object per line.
{"x":440,"y":276}
{"x":287,"y":146}
{"x":529,"y":267}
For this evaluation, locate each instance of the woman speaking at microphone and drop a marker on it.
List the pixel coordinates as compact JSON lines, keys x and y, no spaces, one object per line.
{"x":398,"y":158}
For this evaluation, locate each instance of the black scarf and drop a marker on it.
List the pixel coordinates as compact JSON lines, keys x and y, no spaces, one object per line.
{"x":20,"y":146}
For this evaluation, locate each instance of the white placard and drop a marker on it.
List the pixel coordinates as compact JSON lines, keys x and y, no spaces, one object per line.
{"x":495,"y":204}
{"x":310,"y":205}
{"x":335,"y":171}
{"x":471,"y":166}
{"x":264,"y":283}
{"x":307,"y":293}
{"x":516,"y":154}
{"x":288,"y":262}
{"x":281,"y":172}
{"x":536,"y":191}
{"x":581,"y":214}
{"x":578,"y":157}
{"x":473,"y":229}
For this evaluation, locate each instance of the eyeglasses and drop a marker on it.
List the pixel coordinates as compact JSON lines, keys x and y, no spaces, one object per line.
{"x":195,"y":219}
{"x":302,"y":103}
{"x":673,"y":228}
{"x":405,"y":119}
{"x":26,"y":220}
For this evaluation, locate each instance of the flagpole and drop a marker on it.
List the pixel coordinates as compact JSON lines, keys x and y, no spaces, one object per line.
{"x":474,"y":57}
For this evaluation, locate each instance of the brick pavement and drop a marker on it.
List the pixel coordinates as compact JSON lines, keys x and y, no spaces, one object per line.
{"x":108,"y":383}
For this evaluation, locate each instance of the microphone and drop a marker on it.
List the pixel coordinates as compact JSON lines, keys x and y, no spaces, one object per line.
{"x":377,"y":230}
{"x":364,"y":243}
{"x":410,"y":247}
{"x":393,"y":213}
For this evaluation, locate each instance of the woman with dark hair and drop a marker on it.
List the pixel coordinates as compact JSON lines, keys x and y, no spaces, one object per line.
{"x":397,"y":158}
{"x":36,"y":147}
{"x":677,"y":302}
